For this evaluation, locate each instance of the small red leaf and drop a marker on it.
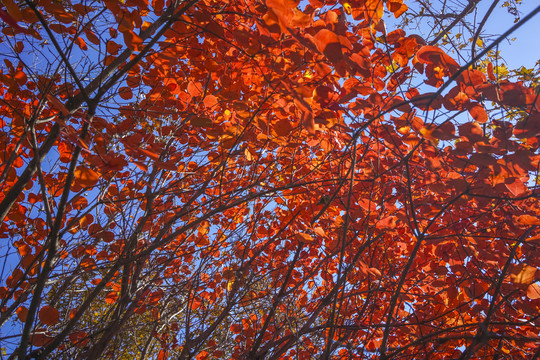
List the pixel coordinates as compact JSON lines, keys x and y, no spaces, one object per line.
{"x":125,"y":93}
{"x":22,"y":313}
{"x":491,"y":75}
{"x":49,"y":315}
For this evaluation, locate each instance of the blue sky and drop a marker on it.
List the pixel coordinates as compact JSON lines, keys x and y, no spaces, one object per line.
{"x":525,"y":49}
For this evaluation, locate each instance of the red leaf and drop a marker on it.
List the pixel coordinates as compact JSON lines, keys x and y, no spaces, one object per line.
{"x":283,"y":127}
{"x":22,"y":313}
{"x":528,"y":127}
{"x":40,"y":339}
{"x":491,"y":75}
{"x":445,"y":131}
{"x":57,"y":104}
{"x":12,"y":22}
{"x":162,"y":354}
{"x":427,"y":101}
{"x":49,"y":315}
{"x":125,"y":93}
{"x":478,"y":113}
{"x":79,"y":338}
{"x":201,"y":121}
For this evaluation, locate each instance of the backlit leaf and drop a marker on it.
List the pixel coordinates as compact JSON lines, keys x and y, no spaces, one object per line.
{"x":303,"y":238}
{"x":533,"y":291}
{"x":522,"y":274}
{"x":85,"y":176}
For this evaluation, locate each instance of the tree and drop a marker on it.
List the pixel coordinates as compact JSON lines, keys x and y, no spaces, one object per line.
{"x":262,"y":180}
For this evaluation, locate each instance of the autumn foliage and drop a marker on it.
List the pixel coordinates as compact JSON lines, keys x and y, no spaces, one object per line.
{"x":261,"y":180}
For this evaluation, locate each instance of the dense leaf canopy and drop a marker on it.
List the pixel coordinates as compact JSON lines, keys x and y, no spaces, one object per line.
{"x":265,"y":179}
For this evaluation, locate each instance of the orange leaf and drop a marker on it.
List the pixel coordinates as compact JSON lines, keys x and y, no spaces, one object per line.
{"x":319,"y":231}
{"x":210,"y":101}
{"x":515,"y":185}
{"x":86,"y":177}
{"x":533,"y":291}
{"x":194,"y":89}
{"x":303,"y":238}
{"x":150,"y":154}
{"x":141,"y":166}
{"x":397,"y":7}
{"x":522,"y":274}
{"x":327,"y":42}
{"x":478,"y":113}
{"x":162,"y":354}
{"x":49,"y":315}
{"x":203,"y":355}
{"x":111,"y":297}
{"x":374,"y":272}
{"x":133,"y":41}
{"x":528,"y":220}
{"x":81,"y":43}
{"x":433,"y":55}
{"x":386,"y":223}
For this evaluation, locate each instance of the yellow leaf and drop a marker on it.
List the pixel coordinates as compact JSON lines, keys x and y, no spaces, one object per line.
{"x":347,"y":7}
